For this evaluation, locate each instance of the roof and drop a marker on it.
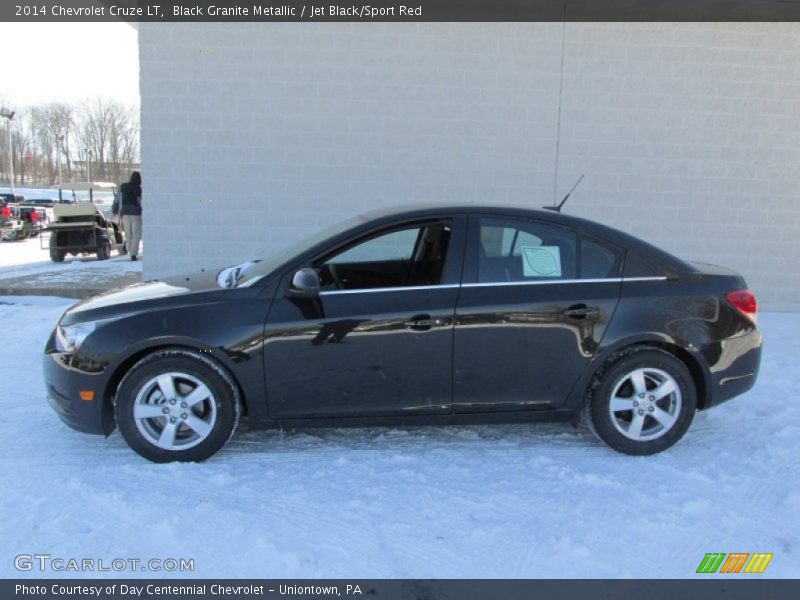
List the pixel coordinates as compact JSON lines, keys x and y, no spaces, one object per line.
{"x":413,"y":210}
{"x":593,"y":228}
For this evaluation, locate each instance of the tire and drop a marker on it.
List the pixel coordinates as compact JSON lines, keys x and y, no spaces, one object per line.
{"x":167,"y":431}
{"x":56,"y":255}
{"x":103,"y":249}
{"x":654,"y":401}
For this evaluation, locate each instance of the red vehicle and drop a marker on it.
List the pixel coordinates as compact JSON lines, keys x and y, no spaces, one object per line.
{"x":19,"y":222}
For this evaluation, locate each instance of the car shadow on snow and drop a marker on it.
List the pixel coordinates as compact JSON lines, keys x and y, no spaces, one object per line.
{"x":561,"y":436}
{"x":553,"y":439}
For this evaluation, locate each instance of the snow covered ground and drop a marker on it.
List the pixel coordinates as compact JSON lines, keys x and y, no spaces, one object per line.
{"x":489,"y":501}
{"x":28,"y":258}
{"x":24,"y":253}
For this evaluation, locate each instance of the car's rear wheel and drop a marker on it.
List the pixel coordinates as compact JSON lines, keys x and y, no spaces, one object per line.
{"x":177,"y":405}
{"x":642,"y":401}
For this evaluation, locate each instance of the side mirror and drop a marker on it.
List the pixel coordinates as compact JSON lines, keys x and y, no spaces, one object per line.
{"x":305,"y":284}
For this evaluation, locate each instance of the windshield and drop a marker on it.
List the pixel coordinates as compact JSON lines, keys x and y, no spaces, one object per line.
{"x":254,"y":270}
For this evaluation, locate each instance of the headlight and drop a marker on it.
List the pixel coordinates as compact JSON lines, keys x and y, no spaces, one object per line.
{"x":70,"y":337}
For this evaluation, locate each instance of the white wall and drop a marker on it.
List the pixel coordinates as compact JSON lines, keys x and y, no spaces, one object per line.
{"x":689,"y":134}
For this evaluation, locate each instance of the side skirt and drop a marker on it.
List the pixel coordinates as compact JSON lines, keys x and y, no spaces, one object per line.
{"x":539,"y":416}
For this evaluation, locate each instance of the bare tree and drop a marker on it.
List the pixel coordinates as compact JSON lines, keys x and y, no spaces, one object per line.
{"x":94,"y":133}
{"x":22,"y":147}
{"x":4,"y":149}
{"x":123,"y":140}
{"x":105,"y":130}
{"x":43,"y":140}
{"x":52,"y":126}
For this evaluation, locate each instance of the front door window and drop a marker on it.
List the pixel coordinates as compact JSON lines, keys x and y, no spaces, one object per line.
{"x":411,"y":256}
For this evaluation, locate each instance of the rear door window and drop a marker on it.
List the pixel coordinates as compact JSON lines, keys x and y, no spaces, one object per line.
{"x":521,"y":250}
{"x":598,"y":260}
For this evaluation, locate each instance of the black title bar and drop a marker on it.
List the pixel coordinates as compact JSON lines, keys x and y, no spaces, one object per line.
{"x":710,"y":588}
{"x":401,"y":11}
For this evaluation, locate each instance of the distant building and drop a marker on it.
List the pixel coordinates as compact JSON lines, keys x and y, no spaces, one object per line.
{"x":688,"y":133}
{"x":95,"y":170}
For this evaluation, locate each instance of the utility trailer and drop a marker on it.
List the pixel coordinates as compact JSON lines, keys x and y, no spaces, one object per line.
{"x":79,"y":226}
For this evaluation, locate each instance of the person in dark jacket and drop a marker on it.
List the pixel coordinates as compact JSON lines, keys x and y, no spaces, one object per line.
{"x":130,"y":209}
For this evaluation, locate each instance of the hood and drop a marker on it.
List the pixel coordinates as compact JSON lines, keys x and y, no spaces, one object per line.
{"x":143,"y":296}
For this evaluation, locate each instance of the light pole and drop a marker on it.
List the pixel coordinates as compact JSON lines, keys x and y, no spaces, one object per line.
{"x":89,"y":166}
{"x":58,"y":155}
{"x":9,"y":114}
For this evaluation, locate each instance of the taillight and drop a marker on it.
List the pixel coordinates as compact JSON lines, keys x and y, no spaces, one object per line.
{"x":745,"y":302}
{"x":33,"y":216}
{"x":4,"y":212}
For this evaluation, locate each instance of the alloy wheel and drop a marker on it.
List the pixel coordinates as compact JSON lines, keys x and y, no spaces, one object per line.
{"x":645,"y":404}
{"x":175,"y":411}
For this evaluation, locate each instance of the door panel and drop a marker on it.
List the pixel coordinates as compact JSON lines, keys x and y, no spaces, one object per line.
{"x":526,"y":323}
{"x":522,"y":347}
{"x":378,"y":341}
{"x":361,"y":353}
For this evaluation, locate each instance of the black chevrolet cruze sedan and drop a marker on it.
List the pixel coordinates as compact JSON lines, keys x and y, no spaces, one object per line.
{"x":424,"y":315}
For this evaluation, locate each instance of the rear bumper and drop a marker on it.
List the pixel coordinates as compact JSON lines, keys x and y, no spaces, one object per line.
{"x":64,"y":384}
{"x":13,"y":225}
{"x":734,"y":364}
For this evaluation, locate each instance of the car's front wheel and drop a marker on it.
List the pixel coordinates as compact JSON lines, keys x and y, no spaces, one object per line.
{"x":642,"y":401}
{"x":177,"y":405}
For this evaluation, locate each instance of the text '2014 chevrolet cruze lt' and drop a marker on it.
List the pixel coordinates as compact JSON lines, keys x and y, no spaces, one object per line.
{"x":426,"y":315}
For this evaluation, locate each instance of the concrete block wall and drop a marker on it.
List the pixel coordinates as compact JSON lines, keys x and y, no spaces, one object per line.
{"x":689,"y":134}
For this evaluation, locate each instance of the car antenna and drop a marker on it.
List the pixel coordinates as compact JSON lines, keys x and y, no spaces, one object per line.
{"x":557,"y":208}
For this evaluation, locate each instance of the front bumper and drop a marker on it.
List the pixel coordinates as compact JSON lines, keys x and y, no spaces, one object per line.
{"x":64,"y":384}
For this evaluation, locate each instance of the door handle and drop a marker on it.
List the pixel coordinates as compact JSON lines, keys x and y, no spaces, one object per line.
{"x":422,"y":322}
{"x":580,"y":311}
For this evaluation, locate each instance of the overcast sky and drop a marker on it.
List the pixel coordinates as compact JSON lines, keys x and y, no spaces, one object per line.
{"x":45,"y":62}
